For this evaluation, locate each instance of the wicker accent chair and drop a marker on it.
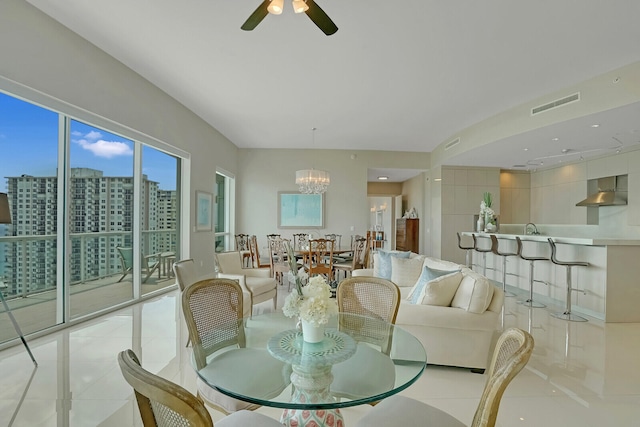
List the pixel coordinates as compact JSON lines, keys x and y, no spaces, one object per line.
{"x":320,"y":258}
{"x":377,"y":299}
{"x":512,"y":352}
{"x":163,"y":403}
{"x":357,"y":259}
{"x":216,"y":305}
{"x":258,"y":282}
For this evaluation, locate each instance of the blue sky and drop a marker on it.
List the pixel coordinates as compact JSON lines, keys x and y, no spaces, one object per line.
{"x":28,"y":145}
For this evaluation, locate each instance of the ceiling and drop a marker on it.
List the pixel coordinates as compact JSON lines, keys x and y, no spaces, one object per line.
{"x":402,"y":76}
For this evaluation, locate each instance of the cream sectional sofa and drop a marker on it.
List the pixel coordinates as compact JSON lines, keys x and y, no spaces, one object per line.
{"x":461,"y":332}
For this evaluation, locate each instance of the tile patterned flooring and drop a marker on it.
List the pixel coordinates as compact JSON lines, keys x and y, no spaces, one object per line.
{"x":580,"y":374}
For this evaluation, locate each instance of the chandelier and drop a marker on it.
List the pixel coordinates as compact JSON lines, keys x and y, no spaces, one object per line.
{"x":312,"y":181}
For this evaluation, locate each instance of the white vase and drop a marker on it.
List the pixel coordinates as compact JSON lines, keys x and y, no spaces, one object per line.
{"x":480,"y":224}
{"x":311,"y":332}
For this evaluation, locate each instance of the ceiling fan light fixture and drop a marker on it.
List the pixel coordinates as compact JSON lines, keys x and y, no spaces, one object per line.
{"x":299,"y":6}
{"x":275,"y":7}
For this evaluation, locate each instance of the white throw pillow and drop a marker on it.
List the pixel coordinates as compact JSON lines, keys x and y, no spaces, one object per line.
{"x":382,"y":262}
{"x":406,"y":272}
{"x":474,"y":293}
{"x":435,"y":287}
{"x":440,"y":291}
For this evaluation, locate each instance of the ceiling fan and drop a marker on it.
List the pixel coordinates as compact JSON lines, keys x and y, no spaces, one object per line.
{"x":275,"y":7}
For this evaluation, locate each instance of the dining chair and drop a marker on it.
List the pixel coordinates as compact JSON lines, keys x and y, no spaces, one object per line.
{"x":150,"y":263}
{"x":213,"y":312}
{"x":278,"y":257}
{"x":242,"y":245}
{"x":336,"y":237}
{"x":164,"y":403}
{"x":320,"y":258}
{"x":377,"y":300}
{"x":301,"y":245}
{"x":357,"y":259}
{"x":511,"y":354}
{"x":256,"y":260}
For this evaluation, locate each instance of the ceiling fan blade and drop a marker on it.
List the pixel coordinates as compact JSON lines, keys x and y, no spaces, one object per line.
{"x":257,"y":16}
{"x":320,"y":18}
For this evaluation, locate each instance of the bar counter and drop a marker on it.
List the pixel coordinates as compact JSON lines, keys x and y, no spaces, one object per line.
{"x":610,"y":284}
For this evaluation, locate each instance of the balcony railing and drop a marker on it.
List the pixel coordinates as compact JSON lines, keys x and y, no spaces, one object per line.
{"x":28,"y":264}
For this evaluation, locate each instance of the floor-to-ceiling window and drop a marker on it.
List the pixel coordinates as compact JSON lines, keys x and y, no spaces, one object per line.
{"x":94,"y":213}
{"x":158,"y":218}
{"x":29,"y":245}
{"x":224,"y":206}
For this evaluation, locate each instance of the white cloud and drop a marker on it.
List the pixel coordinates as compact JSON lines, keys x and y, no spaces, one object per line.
{"x":76,"y":133}
{"x":106,"y":149}
{"x":93,"y":135}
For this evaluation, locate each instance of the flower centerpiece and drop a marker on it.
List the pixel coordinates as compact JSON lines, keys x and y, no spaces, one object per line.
{"x":311,"y":303}
{"x":486,"y":213}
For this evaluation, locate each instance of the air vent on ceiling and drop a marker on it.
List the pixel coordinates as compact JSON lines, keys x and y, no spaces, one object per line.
{"x":452,"y":144}
{"x":519,"y":166}
{"x":557,"y":103}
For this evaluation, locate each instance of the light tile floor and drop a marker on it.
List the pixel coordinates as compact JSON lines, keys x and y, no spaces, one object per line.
{"x":580,"y":374}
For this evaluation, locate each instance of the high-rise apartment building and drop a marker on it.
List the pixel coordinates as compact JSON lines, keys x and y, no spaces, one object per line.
{"x":100,"y":219}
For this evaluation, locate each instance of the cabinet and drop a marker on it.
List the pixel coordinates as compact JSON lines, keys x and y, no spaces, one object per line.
{"x":376,"y":238}
{"x":407,"y":234}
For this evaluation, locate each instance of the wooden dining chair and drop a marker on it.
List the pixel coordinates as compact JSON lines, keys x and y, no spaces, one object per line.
{"x":357,"y":259}
{"x":278,"y":258}
{"x":242,"y":246}
{"x":213,"y":312}
{"x":256,"y":260}
{"x":164,"y":403}
{"x":320,"y":258}
{"x":511,"y":354}
{"x":376,"y":303}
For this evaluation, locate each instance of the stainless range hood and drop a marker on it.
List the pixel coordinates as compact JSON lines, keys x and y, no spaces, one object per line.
{"x":611,"y":191}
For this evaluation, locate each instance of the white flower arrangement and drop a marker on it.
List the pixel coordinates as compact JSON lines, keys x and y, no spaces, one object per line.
{"x":311,"y":303}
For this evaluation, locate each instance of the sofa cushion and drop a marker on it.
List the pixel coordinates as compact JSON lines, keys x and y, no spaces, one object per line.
{"x":439,"y":264}
{"x":474,"y":293}
{"x":435,"y":287}
{"x":406,"y":271}
{"x":382,"y":262}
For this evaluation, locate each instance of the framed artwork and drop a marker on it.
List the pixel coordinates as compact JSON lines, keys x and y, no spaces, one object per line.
{"x":297,"y":210}
{"x":204,"y":208}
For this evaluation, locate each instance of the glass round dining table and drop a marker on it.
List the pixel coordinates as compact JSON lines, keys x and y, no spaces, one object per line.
{"x":360,"y":360}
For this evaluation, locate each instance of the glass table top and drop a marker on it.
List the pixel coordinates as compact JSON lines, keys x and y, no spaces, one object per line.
{"x":275,"y":355}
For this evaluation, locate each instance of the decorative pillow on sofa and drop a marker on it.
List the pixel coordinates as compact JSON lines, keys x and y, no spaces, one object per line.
{"x":406,"y":271}
{"x":382,"y":263}
{"x":435,"y":287}
{"x":474,"y":293}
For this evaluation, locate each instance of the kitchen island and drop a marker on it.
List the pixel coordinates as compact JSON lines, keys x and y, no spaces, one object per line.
{"x":610,"y":289}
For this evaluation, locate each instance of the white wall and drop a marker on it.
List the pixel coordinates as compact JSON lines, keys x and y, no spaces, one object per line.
{"x":46,"y":58}
{"x":265,"y":172}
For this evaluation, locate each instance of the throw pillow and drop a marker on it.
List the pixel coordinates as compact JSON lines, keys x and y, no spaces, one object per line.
{"x":474,"y":293}
{"x":406,"y":271}
{"x":440,"y":291}
{"x":428,"y":275}
{"x":382,"y":263}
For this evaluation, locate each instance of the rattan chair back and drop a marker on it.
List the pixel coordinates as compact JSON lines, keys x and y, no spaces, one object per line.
{"x":161,"y":402}
{"x":375,"y":298}
{"x":511,"y":354}
{"x":213,"y":311}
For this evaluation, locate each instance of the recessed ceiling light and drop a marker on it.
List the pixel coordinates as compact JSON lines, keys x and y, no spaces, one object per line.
{"x":555,"y":139}
{"x":595,"y":125}
{"x":526,"y":149}
{"x":383,"y":178}
{"x":437,"y":179}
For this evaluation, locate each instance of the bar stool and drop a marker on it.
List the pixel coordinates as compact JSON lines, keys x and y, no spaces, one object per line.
{"x":467,"y":250}
{"x":567,"y":315}
{"x":529,"y":302}
{"x":483,"y":252}
{"x":504,"y":255}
